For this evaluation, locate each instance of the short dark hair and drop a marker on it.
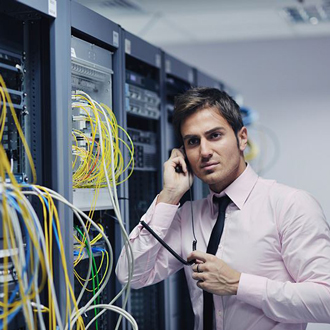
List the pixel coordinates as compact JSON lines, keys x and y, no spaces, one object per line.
{"x":199,"y":98}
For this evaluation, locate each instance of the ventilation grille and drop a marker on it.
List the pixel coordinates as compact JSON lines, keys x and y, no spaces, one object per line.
{"x":311,"y":14}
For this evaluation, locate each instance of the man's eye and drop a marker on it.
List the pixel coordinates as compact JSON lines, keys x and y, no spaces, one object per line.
{"x":215,"y":135}
{"x":192,"y":141}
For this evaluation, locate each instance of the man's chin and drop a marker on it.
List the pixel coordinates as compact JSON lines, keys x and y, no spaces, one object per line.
{"x":210,"y":178}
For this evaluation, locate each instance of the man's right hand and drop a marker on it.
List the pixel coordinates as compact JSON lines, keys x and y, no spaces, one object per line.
{"x":175,"y":184}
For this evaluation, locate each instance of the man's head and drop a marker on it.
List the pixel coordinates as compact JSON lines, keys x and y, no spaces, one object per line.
{"x":202,"y":97}
{"x":210,"y":126}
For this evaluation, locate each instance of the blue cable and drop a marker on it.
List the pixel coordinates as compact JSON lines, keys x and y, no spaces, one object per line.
{"x":10,"y":317}
{"x":53,"y":223}
{"x":14,"y":203}
{"x":28,"y":249}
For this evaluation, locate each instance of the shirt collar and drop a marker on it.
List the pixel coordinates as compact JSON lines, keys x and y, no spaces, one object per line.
{"x":239,"y":190}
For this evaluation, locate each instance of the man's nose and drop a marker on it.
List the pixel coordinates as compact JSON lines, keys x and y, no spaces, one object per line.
{"x":205,"y":149}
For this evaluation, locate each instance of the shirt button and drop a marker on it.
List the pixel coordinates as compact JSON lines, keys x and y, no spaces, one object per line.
{"x":220,"y":313}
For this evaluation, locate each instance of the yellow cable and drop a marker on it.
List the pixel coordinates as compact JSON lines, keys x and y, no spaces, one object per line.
{"x":80,"y":279}
{"x":19,"y":130}
{"x":62,"y":253}
{"x":26,"y":218}
{"x":3,"y":113}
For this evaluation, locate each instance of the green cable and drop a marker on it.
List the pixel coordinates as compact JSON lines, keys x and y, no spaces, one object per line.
{"x":93,"y":275}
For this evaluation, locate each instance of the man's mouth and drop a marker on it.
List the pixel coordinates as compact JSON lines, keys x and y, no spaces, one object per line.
{"x":209,"y":166}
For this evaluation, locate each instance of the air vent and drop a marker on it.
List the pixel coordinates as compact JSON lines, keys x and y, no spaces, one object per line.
{"x":121,"y":4}
{"x":311,"y":14}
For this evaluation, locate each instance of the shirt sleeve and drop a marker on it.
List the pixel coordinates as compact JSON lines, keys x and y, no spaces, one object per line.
{"x":305,"y":238}
{"x":152,"y":262}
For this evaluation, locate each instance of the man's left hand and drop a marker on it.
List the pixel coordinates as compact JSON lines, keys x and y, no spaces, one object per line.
{"x":213,"y":274}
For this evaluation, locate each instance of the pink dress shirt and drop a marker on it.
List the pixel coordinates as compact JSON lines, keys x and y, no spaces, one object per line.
{"x":276,"y":236}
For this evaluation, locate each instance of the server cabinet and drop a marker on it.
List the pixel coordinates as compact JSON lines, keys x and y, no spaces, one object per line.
{"x":26,"y":44}
{"x":178,"y":77}
{"x":142,"y":104}
{"x":96,"y":74}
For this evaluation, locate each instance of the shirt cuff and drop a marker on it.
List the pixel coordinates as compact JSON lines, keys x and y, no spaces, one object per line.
{"x":251,"y":289}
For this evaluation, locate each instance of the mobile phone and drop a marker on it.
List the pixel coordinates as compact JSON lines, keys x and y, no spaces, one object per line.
{"x":178,"y":168}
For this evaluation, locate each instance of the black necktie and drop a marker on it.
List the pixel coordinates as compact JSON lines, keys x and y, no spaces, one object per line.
{"x":212,"y":248}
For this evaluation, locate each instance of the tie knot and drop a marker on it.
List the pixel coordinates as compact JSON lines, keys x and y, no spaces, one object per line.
{"x":223,"y":202}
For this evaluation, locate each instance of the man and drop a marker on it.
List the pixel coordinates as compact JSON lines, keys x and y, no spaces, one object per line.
{"x":271,"y":269}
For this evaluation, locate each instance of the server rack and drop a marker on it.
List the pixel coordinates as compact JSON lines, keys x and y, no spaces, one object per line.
{"x":96,"y":66}
{"x":28,"y":36}
{"x":142,"y":104}
{"x":178,"y":77}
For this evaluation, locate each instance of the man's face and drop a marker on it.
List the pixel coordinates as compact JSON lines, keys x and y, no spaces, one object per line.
{"x":214,"y":154}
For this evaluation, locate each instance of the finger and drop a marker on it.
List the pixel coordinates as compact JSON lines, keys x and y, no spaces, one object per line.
{"x":198,"y":255}
{"x":183,"y":151}
{"x":198,"y":276}
{"x":179,"y":161}
{"x":177,"y":152}
{"x":197,"y":267}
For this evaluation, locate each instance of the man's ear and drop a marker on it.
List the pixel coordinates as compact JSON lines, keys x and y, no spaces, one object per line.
{"x":242,"y":136}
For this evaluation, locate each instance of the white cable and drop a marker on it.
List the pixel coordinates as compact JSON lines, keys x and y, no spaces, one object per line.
{"x":43,"y":245}
{"x":19,"y":239}
{"x":21,"y":254}
{"x":116,"y":206}
{"x":88,"y":241}
{"x":55,"y":195}
{"x":36,"y":272}
{"x":89,"y":257}
{"x":118,"y":310}
{"x":36,"y":282}
{"x":38,"y":304}
{"x":27,"y":311}
{"x":115,"y":203}
{"x":114,"y":200}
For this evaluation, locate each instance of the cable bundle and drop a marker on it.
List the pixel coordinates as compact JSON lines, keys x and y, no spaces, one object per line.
{"x":92,"y":146}
{"x":28,"y":248}
{"x":99,"y":163}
